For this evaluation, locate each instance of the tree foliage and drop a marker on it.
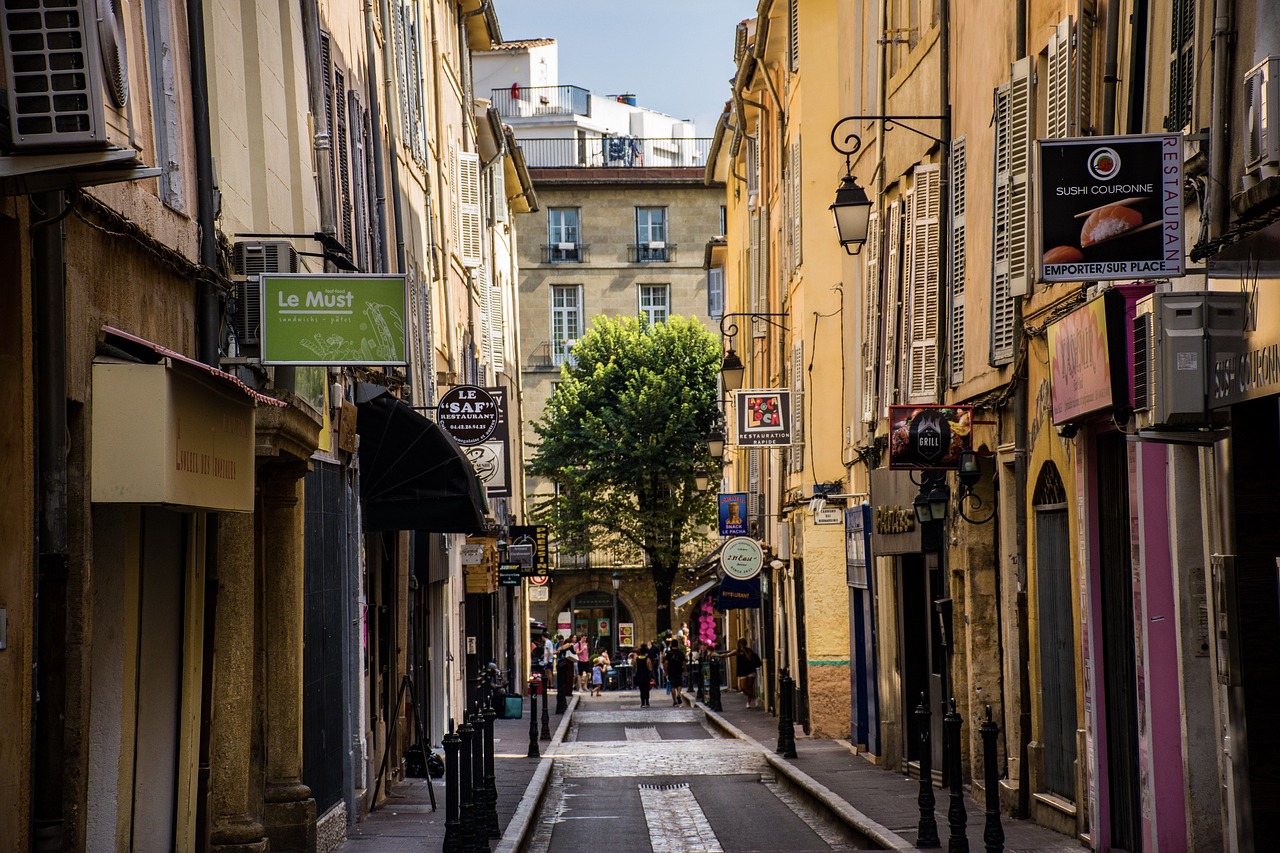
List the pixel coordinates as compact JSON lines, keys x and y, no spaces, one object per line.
{"x":623,"y":437}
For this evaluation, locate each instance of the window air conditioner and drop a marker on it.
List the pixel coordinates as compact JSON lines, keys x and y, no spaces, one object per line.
{"x":68,"y":73}
{"x":1262,"y":119}
{"x":252,"y":259}
{"x":1177,"y":339}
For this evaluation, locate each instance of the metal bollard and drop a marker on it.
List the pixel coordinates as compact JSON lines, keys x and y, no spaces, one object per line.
{"x":993,"y":833}
{"x":546,"y":708}
{"x":479,"y":823}
{"x":564,"y":681}
{"x":957,"y":841}
{"x":927,"y":831}
{"x":786,"y":727}
{"x":490,"y":773}
{"x":533,"y":720}
{"x":713,"y":701}
{"x":466,"y":792}
{"x":452,"y":824}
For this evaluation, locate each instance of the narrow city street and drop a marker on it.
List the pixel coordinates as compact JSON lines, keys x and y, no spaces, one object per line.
{"x":665,"y":779}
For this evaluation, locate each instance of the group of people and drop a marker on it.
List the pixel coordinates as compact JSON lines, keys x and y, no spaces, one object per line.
{"x":662,"y":663}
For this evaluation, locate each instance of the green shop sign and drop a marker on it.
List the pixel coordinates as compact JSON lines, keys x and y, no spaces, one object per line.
{"x":333,"y":319}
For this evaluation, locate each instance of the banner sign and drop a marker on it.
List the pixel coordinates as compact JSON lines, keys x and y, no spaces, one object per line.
{"x":742,"y":558}
{"x":733,"y":514}
{"x":763,"y":417}
{"x":492,"y":458}
{"x":527,"y":546}
{"x":1109,"y":207}
{"x":332,"y":320}
{"x":468,"y":413}
{"x":928,"y":437}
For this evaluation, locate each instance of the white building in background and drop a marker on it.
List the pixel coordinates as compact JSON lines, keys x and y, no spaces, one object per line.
{"x":563,"y":125}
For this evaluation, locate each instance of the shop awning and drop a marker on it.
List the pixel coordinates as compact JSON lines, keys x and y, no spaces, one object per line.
{"x":694,"y":593}
{"x":413,"y":476}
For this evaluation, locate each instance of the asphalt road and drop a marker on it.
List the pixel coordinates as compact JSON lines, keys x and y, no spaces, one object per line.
{"x":633,"y":780}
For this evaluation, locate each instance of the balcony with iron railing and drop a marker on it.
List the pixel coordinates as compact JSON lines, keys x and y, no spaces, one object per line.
{"x":609,"y":152}
{"x":549,"y":355}
{"x":652,"y":252}
{"x":517,"y":102}
{"x":564,"y":253}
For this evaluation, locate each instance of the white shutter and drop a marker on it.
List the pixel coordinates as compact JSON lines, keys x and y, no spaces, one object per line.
{"x":796,"y":210}
{"x":1009,"y":232}
{"x":1021,"y":135}
{"x":761,"y":296}
{"x":499,"y":192}
{"x":793,"y":36}
{"x":871,"y":320}
{"x":1058,"y":123}
{"x":753,"y":484}
{"x":753,"y":261}
{"x":892,"y":304}
{"x":922,"y":385}
{"x":959,"y":259}
{"x":471,"y":247}
{"x":1082,"y":108}
{"x":902,"y":363}
{"x":495,"y":319}
{"x":795,"y":452}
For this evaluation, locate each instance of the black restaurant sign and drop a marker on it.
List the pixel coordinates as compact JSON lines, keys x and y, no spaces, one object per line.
{"x":1109,"y":208}
{"x":468,"y":413}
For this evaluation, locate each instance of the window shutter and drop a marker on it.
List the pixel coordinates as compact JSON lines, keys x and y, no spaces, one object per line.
{"x":795,"y":452}
{"x":1082,"y":56}
{"x":753,"y":484}
{"x":498,"y":319}
{"x":871,"y":320}
{"x":796,"y":210}
{"x":793,"y":36}
{"x":1020,"y":140}
{"x":342,"y":153}
{"x":892,"y":307}
{"x":903,"y":363}
{"x":1009,"y":232}
{"x":753,"y":262}
{"x":454,"y":199}
{"x":1182,"y":37}
{"x":959,"y":259}
{"x":471,"y":248}
{"x":359,"y":183}
{"x":499,"y":192}
{"x":326,"y":68}
{"x":922,"y":385}
{"x":762,"y":274}
{"x":1058,"y":124}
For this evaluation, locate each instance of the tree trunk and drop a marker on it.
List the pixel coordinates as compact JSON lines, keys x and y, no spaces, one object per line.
{"x":662,"y":590}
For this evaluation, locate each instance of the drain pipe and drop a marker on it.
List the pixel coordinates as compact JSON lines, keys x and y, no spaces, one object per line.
{"x":375,"y":124}
{"x":49,"y":300}
{"x":1220,"y":113}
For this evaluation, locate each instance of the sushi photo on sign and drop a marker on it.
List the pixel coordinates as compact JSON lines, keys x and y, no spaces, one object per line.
{"x":1109,"y":208}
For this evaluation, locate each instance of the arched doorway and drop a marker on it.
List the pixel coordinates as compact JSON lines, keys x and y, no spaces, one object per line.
{"x":593,"y":613}
{"x":1057,"y":634}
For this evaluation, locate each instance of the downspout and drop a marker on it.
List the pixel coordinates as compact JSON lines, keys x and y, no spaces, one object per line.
{"x":1220,"y":108}
{"x":1020,"y":437}
{"x":209,"y":345}
{"x":1137,"y":65}
{"x":49,"y":301}
{"x":442,"y":274}
{"x":1111,"y":69}
{"x":375,"y":123}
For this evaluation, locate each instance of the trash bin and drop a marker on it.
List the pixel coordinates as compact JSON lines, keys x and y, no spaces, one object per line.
{"x":611,"y":679}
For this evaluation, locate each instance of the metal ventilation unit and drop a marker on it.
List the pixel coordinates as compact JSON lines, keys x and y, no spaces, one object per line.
{"x":252,"y":259}
{"x":1262,"y":119}
{"x":68,"y":73}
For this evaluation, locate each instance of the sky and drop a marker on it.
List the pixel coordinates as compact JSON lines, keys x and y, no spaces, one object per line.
{"x":675,"y":56}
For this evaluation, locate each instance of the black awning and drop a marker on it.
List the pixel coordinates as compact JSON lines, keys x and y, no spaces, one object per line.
{"x":413,"y":475}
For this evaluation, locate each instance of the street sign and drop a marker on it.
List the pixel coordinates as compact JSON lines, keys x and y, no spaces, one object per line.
{"x":468,"y":413}
{"x":539,"y":580}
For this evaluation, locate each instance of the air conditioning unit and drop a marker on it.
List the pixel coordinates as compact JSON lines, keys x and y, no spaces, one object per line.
{"x":68,"y":73}
{"x":1262,"y":119}
{"x":250,"y":260}
{"x":1177,"y":339}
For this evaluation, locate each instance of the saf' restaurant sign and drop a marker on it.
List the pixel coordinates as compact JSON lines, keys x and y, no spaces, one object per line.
{"x":334,"y":320}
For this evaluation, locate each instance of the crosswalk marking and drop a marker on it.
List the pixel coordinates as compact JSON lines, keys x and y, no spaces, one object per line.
{"x":676,"y":821}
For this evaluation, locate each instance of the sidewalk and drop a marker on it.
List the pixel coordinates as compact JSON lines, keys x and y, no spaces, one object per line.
{"x":880,"y":803}
{"x":405,"y":823}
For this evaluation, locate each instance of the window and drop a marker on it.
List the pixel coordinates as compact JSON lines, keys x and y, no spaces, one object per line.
{"x":651,"y":234}
{"x":564,"y":243}
{"x":566,"y":320}
{"x":467,"y":193}
{"x":1182,"y":38}
{"x":715,"y":292}
{"x":871,"y":320}
{"x":926,"y":251}
{"x":1010,"y":272}
{"x":165,"y":124}
{"x":724,"y":221}
{"x":655,"y":302}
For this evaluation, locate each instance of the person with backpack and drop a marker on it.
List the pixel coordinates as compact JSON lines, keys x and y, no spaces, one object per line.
{"x":748,"y":663}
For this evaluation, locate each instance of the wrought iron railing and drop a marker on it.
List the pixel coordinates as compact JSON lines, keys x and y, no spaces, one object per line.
{"x":614,"y":152}
{"x":564,"y":253}
{"x":549,"y":355}
{"x":606,"y":559}
{"x":641,"y":253}
{"x":541,"y":101}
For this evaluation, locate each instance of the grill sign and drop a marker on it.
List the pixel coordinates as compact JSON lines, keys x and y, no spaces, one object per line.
{"x":1109,"y":208}
{"x":928,"y":437}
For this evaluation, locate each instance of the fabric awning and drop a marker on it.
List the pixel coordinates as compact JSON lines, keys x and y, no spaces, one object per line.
{"x":694,"y":593}
{"x":413,"y":475}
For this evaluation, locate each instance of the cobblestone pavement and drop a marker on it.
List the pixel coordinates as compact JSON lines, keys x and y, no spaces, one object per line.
{"x":666,"y":781}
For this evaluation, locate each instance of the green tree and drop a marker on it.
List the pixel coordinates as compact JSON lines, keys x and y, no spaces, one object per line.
{"x":623,"y":437}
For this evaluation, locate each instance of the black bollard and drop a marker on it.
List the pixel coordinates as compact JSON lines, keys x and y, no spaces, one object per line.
{"x":957,"y":841}
{"x":490,"y":773}
{"x":546,"y":708}
{"x":452,"y":824}
{"x":993,"y":833}
{"x":786,"y":726}
{"x":533,"y":720}
{"x":564,"y":686}
{"x":927,"y":831}
{"x":479,"y":804}
{"x":713,"y":701}
{"x":466,"y":791}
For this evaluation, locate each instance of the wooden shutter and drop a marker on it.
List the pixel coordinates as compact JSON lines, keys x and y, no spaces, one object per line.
{"x":892,"y":307}
{"x":753,"y":261}
{"x":903,"y":329}
{"x":1182,"y":39}
{"x":1069,"y":105}
{"x":471,"y":248}
{"x":499,"y":193}
{"x":753,"y":484}
{"x":342,"y":153}
{"x":1009,"y":234}
{"x":795,"y":453}
{"x":1021,"y":138}
{"x":796,"y":209}
{"x":871,"y":320}
{"x":793,"y":36}
{"x":1058,"y":124}
{"x":926,"y":227}
{"x":959,"y":259}
{"x":1086,"y":28}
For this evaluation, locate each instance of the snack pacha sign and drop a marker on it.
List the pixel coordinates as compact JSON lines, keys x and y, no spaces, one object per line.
{"x":1109,"y":207}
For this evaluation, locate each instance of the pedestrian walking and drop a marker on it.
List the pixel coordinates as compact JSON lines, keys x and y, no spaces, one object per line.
{"x":582,"y":651}
{"x":748,"y":662}
{"x":674,"y":666}
{"x":597,"y":678}
{"x":644,"y":674}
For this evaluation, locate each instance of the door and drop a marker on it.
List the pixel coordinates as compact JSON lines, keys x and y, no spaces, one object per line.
{"x":1057,"y":637}
{"x":920,"y":654}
